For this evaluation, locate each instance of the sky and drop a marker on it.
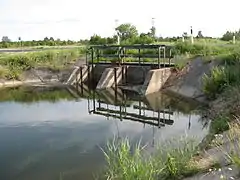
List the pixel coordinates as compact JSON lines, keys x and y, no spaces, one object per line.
{"x":78,"y":19}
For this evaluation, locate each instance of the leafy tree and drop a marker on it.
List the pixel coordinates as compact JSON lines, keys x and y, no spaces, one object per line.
{"x":127,"y":31}
{"x":200,"y":35}
{"x":97,"y":40}
{"x":228,"y":36}
{"x":5,"y":39}
{"x":46,"y":39}
{"x":143,"y":39}
{"x":153,"y":32}
{"x":51,"y":39}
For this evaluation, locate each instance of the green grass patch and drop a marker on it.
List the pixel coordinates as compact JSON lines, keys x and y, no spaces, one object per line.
{"x":170,"y":160}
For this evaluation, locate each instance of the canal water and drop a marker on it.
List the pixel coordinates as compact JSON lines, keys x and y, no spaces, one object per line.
{"x":57,"y":133}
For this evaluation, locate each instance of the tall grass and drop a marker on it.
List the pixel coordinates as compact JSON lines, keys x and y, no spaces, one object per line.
{"x":203,"y":49}
{"x":18,"y":62}
{"x":223,"y":76}
{"x":169,"y":161}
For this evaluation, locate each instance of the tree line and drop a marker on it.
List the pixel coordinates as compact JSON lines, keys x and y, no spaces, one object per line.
{"x":7,"y":43}
{"x":228,"y":36}
{"x":128,"y":34}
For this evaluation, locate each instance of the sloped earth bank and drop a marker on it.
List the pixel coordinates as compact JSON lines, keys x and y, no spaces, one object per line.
{"x":43,"y":75}
{"x":38,"y":75}
{"x":188,"y":82}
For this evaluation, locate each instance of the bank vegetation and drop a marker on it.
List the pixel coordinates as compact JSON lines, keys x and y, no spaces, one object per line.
{"x":222,"y":90}
{"x":12,"y":65}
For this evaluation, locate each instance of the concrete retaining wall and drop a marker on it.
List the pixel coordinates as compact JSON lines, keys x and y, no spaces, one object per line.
{"x":150,"y":80}
{"x":155,"y":80}
{"x":98,"y":71}
{"x":108,"y":78}
{"x":79,"y":74}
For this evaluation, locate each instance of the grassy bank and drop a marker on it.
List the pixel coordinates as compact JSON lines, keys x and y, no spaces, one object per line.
{"x":12,"y":65}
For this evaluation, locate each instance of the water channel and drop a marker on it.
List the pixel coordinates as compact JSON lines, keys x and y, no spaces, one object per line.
{"x":56,"y":133}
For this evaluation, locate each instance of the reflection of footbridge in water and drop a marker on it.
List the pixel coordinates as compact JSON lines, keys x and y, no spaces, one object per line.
{"x":153,"y":109}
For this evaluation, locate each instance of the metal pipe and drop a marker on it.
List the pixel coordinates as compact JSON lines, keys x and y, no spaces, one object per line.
{"x":139,"y":58}
{"x":86,"y":57}
{"x":81,"y":75}
{"x":115,"y":77}
{"x":164,"y":56}
{"x":159,"y":56}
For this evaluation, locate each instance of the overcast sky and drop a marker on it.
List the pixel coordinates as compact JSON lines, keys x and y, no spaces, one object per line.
{"x":75,"y":19}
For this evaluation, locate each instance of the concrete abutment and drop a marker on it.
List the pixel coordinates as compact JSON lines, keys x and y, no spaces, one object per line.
{"x":147,"y":80}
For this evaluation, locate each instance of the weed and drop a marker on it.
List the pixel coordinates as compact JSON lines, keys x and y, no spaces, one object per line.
{"x":221,"y":78}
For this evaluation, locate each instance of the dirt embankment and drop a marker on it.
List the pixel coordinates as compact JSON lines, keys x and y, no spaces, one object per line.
{"x":188,"y":82}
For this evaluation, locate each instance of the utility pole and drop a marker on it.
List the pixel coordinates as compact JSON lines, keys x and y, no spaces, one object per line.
{"x":191,"y":35}
{"x":234,"y":39}
{"x":20,"y":40}
{"x":153,"y":22}
{"x":153,"y":28}
{"x":117,"y":34}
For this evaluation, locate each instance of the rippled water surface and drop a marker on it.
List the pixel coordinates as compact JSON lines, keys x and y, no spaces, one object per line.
{"x":56,"y":134}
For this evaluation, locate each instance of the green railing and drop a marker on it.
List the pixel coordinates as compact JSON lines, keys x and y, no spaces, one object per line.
{"x":138,"y":54}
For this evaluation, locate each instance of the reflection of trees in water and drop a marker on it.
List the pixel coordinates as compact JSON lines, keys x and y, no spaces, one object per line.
{"x":34,"y":94}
